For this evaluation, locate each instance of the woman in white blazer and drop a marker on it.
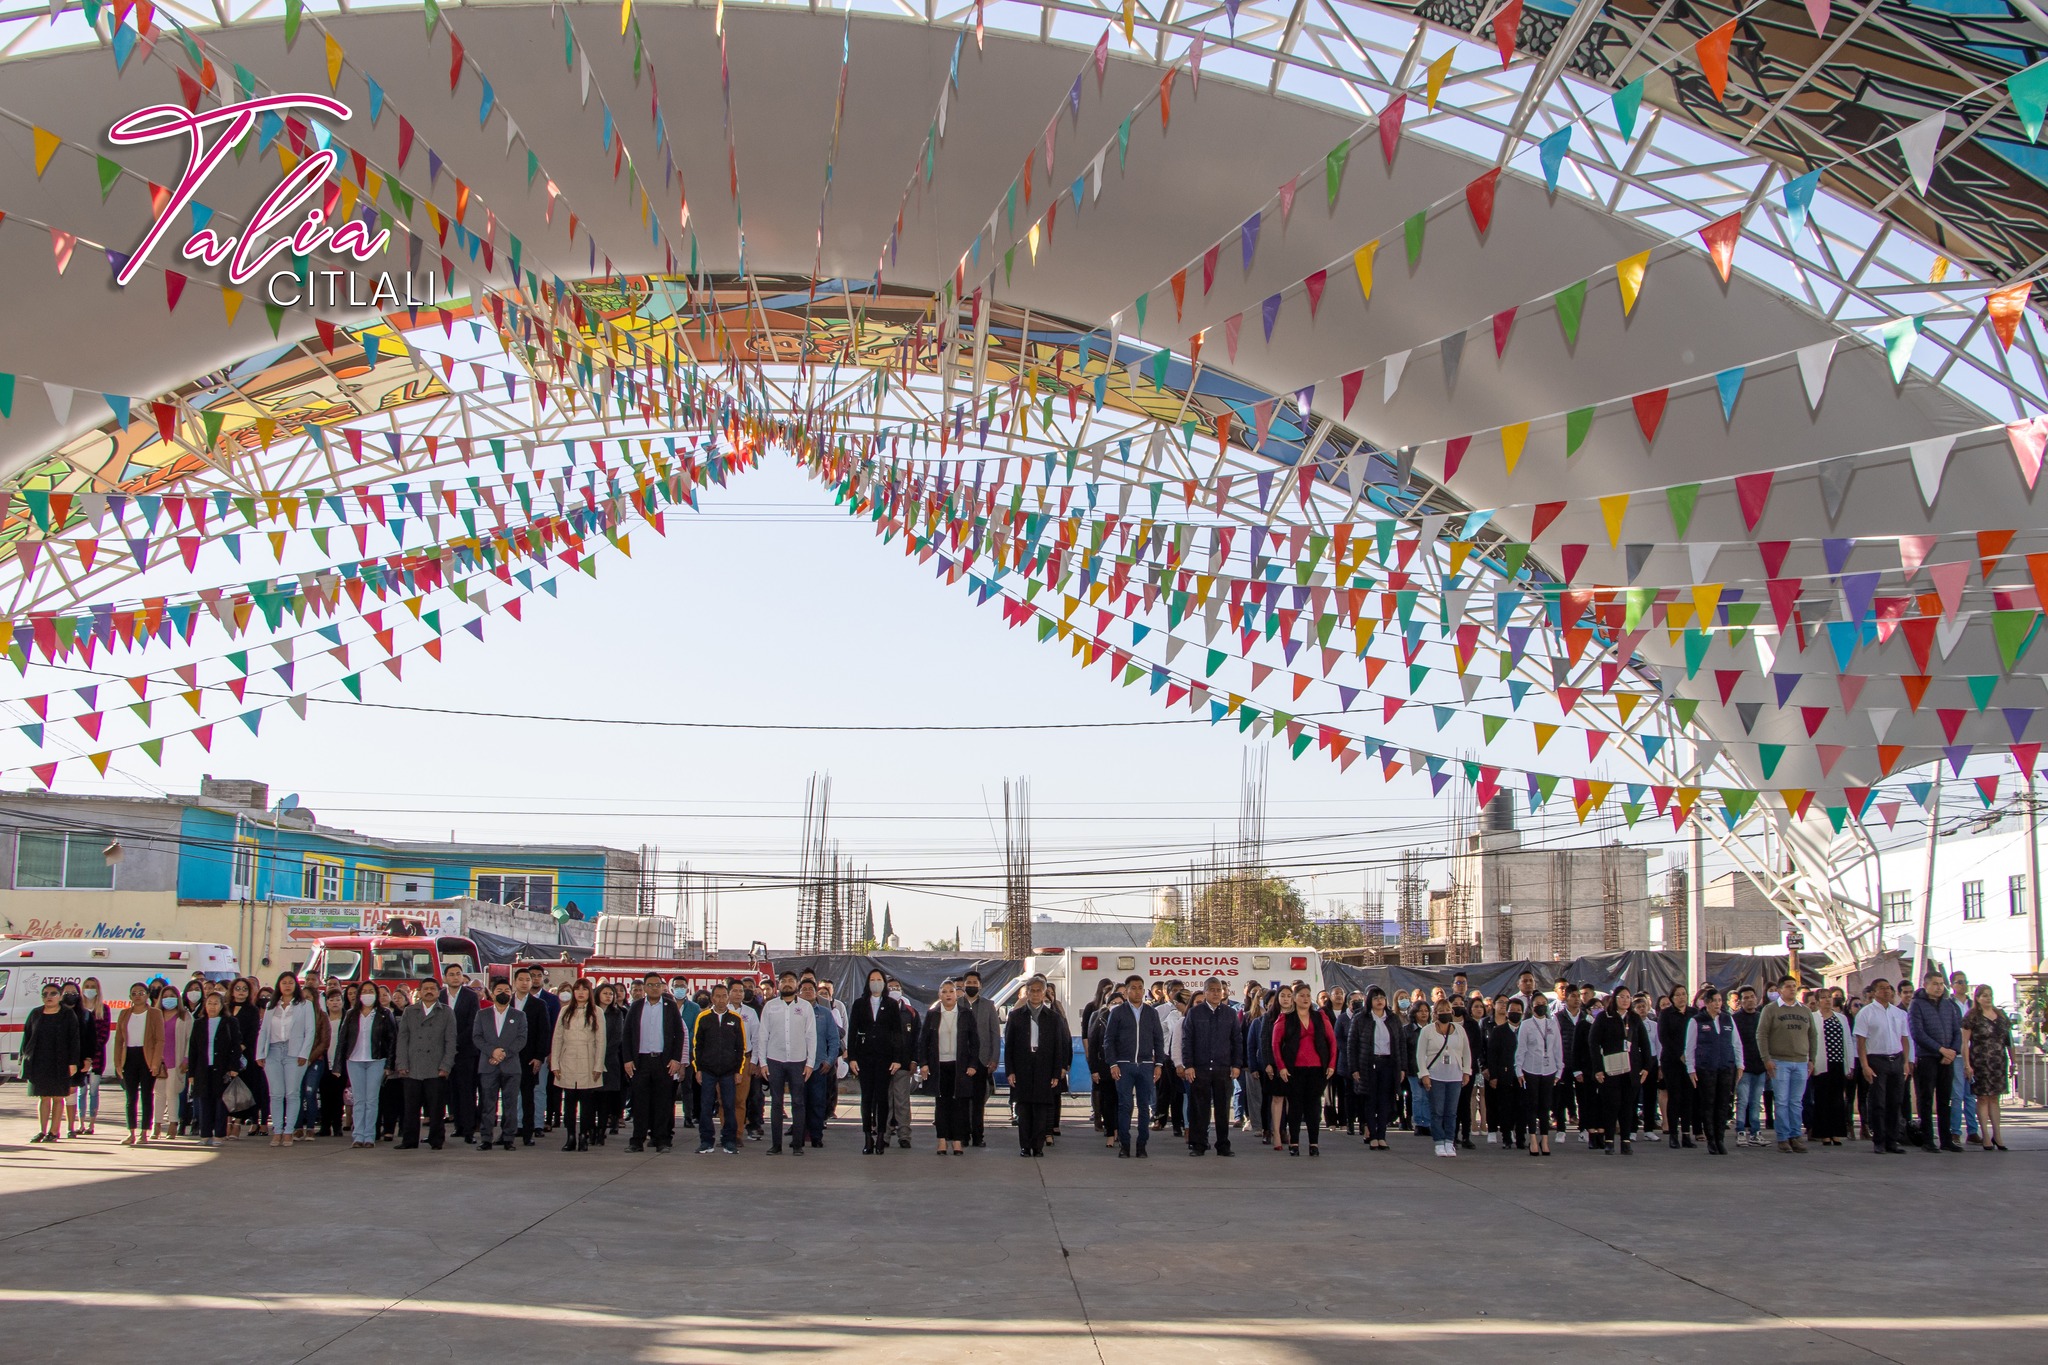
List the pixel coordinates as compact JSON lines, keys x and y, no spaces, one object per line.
{"x":1539,"y":1057}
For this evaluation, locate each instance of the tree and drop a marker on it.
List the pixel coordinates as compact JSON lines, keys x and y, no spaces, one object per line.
{"x":943,"y":945}
{"x":1245,"y":909}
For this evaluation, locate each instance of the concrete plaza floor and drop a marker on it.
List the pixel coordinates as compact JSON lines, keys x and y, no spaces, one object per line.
{"x":325,"y":1254}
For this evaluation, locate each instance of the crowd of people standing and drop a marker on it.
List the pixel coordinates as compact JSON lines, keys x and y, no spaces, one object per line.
{"x":300,"y":1060}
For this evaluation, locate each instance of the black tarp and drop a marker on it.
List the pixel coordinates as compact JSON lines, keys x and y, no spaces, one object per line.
{"x":1640,"y":971}
{"x":498,"y":949}
{"x":920,"y":973}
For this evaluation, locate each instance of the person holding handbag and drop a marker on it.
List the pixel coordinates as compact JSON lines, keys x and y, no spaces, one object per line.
{"x":1618,"y":1051}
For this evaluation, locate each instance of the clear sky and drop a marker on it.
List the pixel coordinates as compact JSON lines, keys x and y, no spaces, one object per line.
{"x":771,"y":607}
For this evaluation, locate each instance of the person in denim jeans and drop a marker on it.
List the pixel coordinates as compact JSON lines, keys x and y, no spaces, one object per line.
{"x":1962,"y":1104}
{"x":1751,"y":1084}
{"x":1787,"y":1037}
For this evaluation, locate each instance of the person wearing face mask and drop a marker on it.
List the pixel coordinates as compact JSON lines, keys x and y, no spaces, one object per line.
{"x":899,"y":1084}
{"x":785,"y":1054}
{"x":191,"y":1005}
{"x":333,"y":1068}
{"x":99,"y":1026}
{"x":499,"y":1033}
{"x":1443,"y":1063}
{"x":171,"y":1086}
{"x":1539,"y":1063}
{"x":365,"y":1046}
{"x":874,"y":1054}
{"x":213,"y":1057}
{"x":950,"y":1053}
{"x":989,"y":1031}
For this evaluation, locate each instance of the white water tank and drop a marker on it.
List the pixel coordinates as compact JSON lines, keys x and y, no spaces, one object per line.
{"x":636,"y":936}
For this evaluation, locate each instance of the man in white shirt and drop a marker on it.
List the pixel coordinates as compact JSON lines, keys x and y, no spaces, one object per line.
{"x":1884,"y":1050}
{"x":785,"y":1052}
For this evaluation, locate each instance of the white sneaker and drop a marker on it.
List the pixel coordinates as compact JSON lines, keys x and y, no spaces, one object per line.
{"x":1450,"y":1149}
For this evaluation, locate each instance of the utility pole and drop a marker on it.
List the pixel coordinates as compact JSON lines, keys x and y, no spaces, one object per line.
{"x":2034,"y":877}
{"x":1926,"y":926}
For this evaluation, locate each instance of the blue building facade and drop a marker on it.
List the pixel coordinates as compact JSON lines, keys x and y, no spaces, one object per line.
{"x":228,"y":855}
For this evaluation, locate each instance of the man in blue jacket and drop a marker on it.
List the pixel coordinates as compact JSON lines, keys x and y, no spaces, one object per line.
{"x":1937,"y":1037}
{"x":1211,"y":1056}
{"x":1134,"y":1045}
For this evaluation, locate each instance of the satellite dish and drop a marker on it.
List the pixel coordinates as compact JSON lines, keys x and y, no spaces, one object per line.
{"x":290,"y":802}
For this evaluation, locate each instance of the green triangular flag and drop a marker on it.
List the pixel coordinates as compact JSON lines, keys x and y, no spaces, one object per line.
{"x":1571,"y":307}
{"x":292,"y":9}
{"x":110,"y":171}
{"x":276,"y":316}
{"x":354,"y":683}
{"x":1627,"y":101}
{"x":1492,"y":724}
{"x":1738,"y":802}
{"x":1681,"y":500}
{"x":2029,"y":91}
{"x":154,"y":748}
{"x":1577,"y":423}
{"x":1768,"y":756}
{"x":2012,"y":630}
{"x":1683,"y":708}
{"x":1412,"y":229}
{"x":433,"y":17}
{"x":1981,"y":686}
{"x":1123,"y":147}
{"x":1333,"y":167}
{"x":1143,"y":299}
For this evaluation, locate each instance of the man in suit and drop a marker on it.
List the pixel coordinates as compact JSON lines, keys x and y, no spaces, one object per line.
{"x":462,"y":1002}
{"x":655,"y":1052}
{"x":540,"y":1037}
{"x":1211,"y":1058}
{"x":1135,"y":1046}
{"x":989,"y":1034}
{"x":424,"y":1055}
{"x":1037,"y":1049}
{"x":500,"y":1037}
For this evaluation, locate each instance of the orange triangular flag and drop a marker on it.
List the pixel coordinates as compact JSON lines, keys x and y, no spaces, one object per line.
{"x":2004,"y":307}
{"x":1712,"y":52}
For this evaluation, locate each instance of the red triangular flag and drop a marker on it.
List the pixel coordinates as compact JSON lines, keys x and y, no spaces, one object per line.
{"x":1503,"y":323}
{"x":1504,"y":25}
{"x":1650,"y":412}
{"x":1390,"y":125}
{"x":1479,"y":198}
{"x":1350,"y":384}
{"x":1546,"y":512}
{"x":174,"y":289}
{"x":1753,"y":491}
{"x":1720,"y":237}
{"x":1454,"y":455}
{"x":1314,"y":284}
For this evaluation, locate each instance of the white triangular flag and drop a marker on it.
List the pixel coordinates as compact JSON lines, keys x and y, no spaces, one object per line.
{"x":945,"y":95}
{"x":1919,"y":143}
{"x":1881,"y":720}
{"x":583,"y":67}
{"x":298,"y":705}
{"x":511,"y":132}
{"x":1095,"y":173}
{"x":60,"y":401}
{"x":1703,"y":755}
{"x":1930,"y":458}
{"x":1702,"y":557}
{"x":1948,"y":632}
{"x":1395,"y":364}
{"x":1813,"y":368}
{"x":1766,"y":648}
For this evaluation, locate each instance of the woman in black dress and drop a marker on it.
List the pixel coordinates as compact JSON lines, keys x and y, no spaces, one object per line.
{"x":50,"y":1049}
{"x":1987,"y":1048}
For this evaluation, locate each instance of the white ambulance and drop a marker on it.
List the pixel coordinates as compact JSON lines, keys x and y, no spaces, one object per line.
{"x":118,"y":963}
{"x":1075,"y":973}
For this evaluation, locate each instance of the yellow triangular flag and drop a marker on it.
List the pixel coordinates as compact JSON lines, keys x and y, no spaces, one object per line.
{"x":231,"y":300}
{"x":1438,"y":70}
{"x":1705,"y":598}
{"x":625,"y":15}
{"x":1630,"y":272}
{"x":1543,"y":734}
{"x":1611,"y":509}
{"x":1625,"y":703}
{"x":1676,"y":615}
{"x":1361,"y":261}
{"x":1512,"y":439}
{"x":1130,"y":23}
{"x":1032,"y":238}
{"x":47,"y":144}
{"x":333,"y":62}
{"x":1459,"y":549}
{"x":99,"y":761}
{"x":277,"y":544}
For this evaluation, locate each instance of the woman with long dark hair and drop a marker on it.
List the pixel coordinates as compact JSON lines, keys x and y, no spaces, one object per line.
{"x":611,"y":1099}
{"x":49,"y":1059}
{"x":1539,"y":1061}
{"x":287,"y":1049}
{"x":1987,"y":1052}
{"x":1375,"y":1051}
{"x":247,"y":1018}
{"x":98,"y":1021}
{"x":363,"y":1045}
{"x":138,"y":1035}
{"x":213,"y":1057}
{"x":171,"y":1088}
{"x":1304,"y":1049}
{"x":1618,"y":1052}
{"x":576,"y":1061}
{"x":333,"y":1066}
{"x":1827,"y":1118}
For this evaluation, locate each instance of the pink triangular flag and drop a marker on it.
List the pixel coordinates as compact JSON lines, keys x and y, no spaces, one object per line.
{"x":1390,"y":126}
{"x":61,"y":243}
{"x":1287,"y":200}
{"x":1948,"y":584}
{"x":2028,"y":439}
{"x":1817,"y":10}
{"x":1913,"y":551}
